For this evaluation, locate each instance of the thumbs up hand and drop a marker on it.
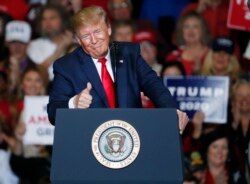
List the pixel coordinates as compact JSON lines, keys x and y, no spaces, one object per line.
{"x":84,"y":99}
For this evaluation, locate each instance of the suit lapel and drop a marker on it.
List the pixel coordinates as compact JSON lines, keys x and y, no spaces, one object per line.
{"x":120,"y":75}
{"x":90,"y":70}
{"x":122,"y":83}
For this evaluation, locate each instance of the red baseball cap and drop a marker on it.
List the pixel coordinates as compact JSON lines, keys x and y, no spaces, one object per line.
{"x":145,"y":36}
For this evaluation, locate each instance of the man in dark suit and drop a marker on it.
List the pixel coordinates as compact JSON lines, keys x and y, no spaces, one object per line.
{"x":81,"y":77}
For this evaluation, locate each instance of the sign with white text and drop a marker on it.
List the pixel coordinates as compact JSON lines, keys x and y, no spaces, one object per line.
{"x":239,"y":15}
{"x":38,"y":128}
{"x":200,"y":93}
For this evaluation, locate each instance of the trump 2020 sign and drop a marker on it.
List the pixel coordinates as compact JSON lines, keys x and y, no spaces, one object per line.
{"x":200,"y":93}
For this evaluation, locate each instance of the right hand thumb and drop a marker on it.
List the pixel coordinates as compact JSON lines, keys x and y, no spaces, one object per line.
{"x":89,"y":87}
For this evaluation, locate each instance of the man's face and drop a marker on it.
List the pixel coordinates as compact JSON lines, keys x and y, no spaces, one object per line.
{"x":51,"y":23}
{"x":120,"y":10}
{"x":123,"y":34}
{"x":94,"y":39}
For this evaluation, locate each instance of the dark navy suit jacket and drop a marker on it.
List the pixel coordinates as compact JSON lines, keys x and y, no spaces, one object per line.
{"x":132,"y":75}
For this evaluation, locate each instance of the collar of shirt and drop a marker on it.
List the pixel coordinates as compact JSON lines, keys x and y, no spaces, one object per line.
{"x":108,"y":65}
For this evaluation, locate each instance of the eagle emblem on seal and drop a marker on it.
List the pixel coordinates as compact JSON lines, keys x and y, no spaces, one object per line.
{"x":115,"y":144}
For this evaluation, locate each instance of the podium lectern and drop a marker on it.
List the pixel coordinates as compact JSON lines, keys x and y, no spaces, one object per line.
{"x":117,"y":146}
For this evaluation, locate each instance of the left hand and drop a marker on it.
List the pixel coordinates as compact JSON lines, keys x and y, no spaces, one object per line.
{"x":183,"y":120}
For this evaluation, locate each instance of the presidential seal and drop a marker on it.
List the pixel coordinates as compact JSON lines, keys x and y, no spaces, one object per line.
{"x":115,"y":144}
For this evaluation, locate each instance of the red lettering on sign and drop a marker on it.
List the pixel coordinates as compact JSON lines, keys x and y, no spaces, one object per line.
{"x":38,"y":120}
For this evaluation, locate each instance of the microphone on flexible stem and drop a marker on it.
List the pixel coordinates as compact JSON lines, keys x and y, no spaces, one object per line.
{"x":114,"y":48}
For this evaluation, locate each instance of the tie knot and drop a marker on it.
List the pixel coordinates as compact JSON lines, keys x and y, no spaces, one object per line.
{"x":102,"y":60}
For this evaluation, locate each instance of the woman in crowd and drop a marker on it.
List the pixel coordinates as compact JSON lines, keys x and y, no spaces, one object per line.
{"x":215,"y":12}
{"x":221,"y":167}
{"x":192,"y":38}
{"x":221,"y":60}
{"x":172,"y":68}
{"x":240,"y":122}
{"x":34,"y":82}
{"x":219,"y":154}
{"x":36,"y":158}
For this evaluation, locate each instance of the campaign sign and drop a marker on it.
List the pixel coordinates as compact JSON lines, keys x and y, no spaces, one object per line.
{"x":239,"y":15}
{"x":38,"y":128}
{"x":200,"y":93}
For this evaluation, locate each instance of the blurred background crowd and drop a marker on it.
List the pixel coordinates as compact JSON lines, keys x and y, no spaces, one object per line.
{"x":177,"y":38}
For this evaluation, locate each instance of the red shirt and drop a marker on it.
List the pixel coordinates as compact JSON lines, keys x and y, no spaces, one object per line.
{"x":5,"y":111}
{"x":209,"y":178}
{"x":189,"y":65}
{"x":20,"y":105}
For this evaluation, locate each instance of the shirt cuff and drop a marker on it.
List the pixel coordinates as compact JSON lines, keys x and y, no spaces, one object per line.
{"x":71,"y":103}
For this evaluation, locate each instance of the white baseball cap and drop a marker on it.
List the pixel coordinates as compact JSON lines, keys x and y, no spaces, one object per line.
{"x":18,"y":31}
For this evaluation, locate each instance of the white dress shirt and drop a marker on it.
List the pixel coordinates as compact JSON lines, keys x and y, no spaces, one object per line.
{"x":98,"y":66}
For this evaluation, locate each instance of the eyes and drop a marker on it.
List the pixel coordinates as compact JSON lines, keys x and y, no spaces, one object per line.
{"x":119,"y":5}
{"x":220,"y":144}
{"x":242,"y":97}
{"x":87,"y":36}
{"x":223,"y":147}
{"x":191,"y":26}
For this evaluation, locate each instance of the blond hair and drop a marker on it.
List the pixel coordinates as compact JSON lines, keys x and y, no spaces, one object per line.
{"x":240,"y":82}
{"x":233,"y":69}
{"x":90,"y":15}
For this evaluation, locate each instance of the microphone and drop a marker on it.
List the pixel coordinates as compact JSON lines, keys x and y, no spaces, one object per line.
{"x":114,"y":49}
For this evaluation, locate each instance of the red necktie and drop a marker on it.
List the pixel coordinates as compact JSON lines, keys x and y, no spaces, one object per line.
{"x":107,"y":83}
